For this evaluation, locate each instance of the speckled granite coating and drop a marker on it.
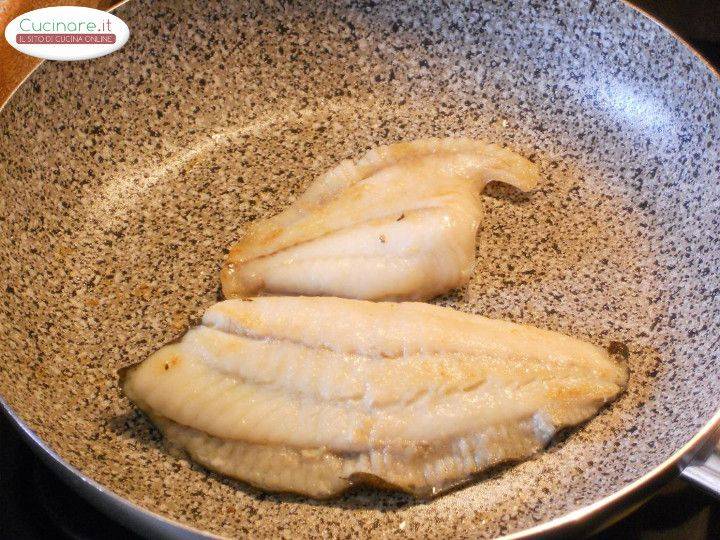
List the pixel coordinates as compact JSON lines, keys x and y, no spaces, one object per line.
{"x":124,"y":179}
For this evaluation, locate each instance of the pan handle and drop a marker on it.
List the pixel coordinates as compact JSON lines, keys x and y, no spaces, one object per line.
{"x":704,"y":470}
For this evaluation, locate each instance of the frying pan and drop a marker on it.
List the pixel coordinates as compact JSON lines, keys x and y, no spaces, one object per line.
{"x":125,"y":178}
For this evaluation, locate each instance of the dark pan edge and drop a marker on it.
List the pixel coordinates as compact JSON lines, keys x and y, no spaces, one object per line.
{"x":715,"y":71}
{"x":144,"y":522}
{"x":606,"y":511}
{"x":585,"y":520}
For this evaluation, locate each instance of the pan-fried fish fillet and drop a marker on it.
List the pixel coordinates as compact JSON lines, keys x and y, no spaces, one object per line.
{"x":398,"y":224}
{"x":313,"y":395}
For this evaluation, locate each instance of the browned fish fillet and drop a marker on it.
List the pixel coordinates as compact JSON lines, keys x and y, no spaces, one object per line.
{"x":313,"y":395}
{"x":399,"y":224}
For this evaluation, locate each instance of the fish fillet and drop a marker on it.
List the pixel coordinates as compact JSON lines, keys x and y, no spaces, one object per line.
{"x":400,"y":224}
{"x":313,"y":395}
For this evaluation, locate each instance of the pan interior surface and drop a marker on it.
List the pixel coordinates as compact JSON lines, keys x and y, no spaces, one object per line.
{"x":124,"y":179}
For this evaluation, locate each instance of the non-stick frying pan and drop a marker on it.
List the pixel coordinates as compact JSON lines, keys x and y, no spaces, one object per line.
{"x":124,"y":179}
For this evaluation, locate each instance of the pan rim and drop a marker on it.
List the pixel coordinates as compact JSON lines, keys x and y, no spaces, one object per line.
{"x":140,"y":519}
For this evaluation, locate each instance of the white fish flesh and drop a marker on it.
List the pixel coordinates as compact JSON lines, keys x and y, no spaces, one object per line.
{"x":314,"y":395}
{"x":400,"y":224}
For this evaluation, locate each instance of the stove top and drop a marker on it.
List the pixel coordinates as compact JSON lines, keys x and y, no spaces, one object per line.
{"x":34,"y":503}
